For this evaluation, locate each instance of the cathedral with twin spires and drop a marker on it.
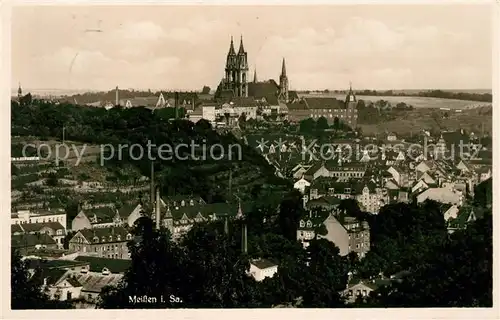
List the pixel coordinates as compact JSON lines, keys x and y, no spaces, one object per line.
{"x":236,"y":84}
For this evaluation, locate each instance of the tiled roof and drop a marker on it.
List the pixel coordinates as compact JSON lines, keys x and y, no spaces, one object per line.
{"x":323,"y":201}
{"x":53,"y":264}
{"x":192,"y":213}
{"x":94,"y":282}
{"x":301,"y":105}
{"x":30,"y":240}
{"x":243,"y":102}
{"x":263,"y":263}
{"x":105,"y":235}
{"x":140,"y":101}
{"x":126,"y":210}
{"x":97,"y":264}
{"x":324,"y":103}
{"x":266,"y":89}
{"x":36,"y":227}
{"x":177,"y":200}
{"x":51,"y":275}
{"x":73,"y":281}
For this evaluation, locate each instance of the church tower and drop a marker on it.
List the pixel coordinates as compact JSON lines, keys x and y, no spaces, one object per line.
{"x":350,"y":99}
{"x":255,"y":75}
{"x":241,"y":217}
{"x":283,"y":94}
{"x":19,"y":92}
{"x":237,"y":70}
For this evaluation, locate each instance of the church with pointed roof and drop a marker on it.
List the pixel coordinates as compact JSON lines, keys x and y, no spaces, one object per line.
{"x":236,"y":84}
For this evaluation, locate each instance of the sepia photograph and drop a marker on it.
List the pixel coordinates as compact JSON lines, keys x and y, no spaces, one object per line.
{"x":332,"y":156}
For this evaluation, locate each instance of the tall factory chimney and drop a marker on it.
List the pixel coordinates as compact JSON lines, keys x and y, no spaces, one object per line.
{"x":152,"y":196}
{"x":157,"y":210}
{"x":117,"y":100}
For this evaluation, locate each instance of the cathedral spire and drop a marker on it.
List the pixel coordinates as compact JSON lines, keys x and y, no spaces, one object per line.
{"x":283,"y":69}
{"x":231,"y":47}
{"x":255,"y":75}
{"x":242,"y":49}
{"x":19,"y":90}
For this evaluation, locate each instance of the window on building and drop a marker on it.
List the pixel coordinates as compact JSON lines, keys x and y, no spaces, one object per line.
{"x":68,"y":295}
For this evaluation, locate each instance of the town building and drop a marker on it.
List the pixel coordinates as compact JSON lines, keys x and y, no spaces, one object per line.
{"x":350,"y":235}
{"x":53,"y":229}
{"x":109,"y":242}
{"x":40,"y":216}
{"x":262,"y":268}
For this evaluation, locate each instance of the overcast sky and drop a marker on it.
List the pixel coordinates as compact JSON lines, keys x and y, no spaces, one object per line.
{"x":185,"y":47}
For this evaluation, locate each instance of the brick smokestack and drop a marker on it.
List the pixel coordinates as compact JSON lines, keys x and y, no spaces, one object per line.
{"x":152,"y":194}
{"x":117,"y":98}
{"x":157,"y":210}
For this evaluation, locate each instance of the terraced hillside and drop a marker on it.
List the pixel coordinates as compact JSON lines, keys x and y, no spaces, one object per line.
{"x":207,"y":177}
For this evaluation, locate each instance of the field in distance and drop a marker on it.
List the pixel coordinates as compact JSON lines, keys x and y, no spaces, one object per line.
{"x":417,"y":102}
{"x":476,"y":120}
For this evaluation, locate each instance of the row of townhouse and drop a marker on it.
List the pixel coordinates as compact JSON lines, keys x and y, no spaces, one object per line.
{"x":375,"y":185}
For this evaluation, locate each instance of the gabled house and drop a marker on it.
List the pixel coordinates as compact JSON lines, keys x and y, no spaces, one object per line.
{"x":128,"y":214}
{"x":110,"y":242}
{"x":262,"y":268}
{"x":350,"y":235}
{"x":28,"y":242}
{"x":53,"y":229}
{"x":443,"y":195}
{"x":301,"y":185}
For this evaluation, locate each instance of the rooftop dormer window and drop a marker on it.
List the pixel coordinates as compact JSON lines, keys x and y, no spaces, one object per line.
{"x":96,"y":239}
{"x":129,"y":236}
{"x":309,"y":224}
{"x":302,"y":223}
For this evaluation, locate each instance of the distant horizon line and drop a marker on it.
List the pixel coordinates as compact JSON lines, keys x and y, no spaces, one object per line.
{"x":198,"y":90}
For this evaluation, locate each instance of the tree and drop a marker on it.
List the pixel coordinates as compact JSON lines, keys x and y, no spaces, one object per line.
{"x":459,"y":274}
{"x":153,"y":271}
{"x":291,"y":210}
{"x":205,"y":90}
{"x":327,"y":272}
{"x":161,"y":268}
{"x":307,"y":125}
{"x":322,"y":124}
{"x":336,"y":123}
